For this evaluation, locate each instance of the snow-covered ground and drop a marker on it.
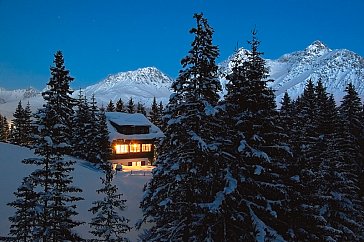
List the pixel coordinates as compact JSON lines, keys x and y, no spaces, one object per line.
{"x":130,"y":182}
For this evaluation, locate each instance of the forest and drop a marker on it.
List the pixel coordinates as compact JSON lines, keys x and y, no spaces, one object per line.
{"x":232,"y":169}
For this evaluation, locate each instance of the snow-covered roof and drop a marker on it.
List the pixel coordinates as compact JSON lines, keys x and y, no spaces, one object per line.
{"x":134,"y":119}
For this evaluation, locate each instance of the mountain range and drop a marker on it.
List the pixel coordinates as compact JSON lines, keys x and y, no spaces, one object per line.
{"x":290,"y":72}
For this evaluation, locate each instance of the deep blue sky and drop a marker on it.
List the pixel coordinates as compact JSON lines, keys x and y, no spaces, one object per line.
{"x":108,"y":36}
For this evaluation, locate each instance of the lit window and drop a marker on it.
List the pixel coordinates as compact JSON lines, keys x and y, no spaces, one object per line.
{"x":134,"y":147}
{"x":121,"y":149}
{"x":146,"y":147}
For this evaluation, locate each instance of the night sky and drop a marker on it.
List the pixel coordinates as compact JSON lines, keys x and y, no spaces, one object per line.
{"x":109,"y":36}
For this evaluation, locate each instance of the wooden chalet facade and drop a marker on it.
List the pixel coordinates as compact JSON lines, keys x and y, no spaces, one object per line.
{"x":132,"y":138}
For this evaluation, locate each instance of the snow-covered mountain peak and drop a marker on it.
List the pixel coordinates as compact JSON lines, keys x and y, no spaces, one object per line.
{"x":226,"y":66}
{"x":146,"y":75}
{"x":336,"y":68}
{"x":142,"y":85}
{"x":317,"y":48}
{"x":17,"y":94}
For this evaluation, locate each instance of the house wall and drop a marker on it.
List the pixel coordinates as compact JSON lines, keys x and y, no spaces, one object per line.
{"x":133,"y":155}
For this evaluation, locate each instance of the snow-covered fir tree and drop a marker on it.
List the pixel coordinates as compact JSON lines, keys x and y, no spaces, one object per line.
{"x":110,"y":107}
{"x":304,"y":218}
{"x":23,"y":222}
{"x":130,"y":108}
{"x":185,"y":199}
{"x":119,"y":107}
{"x":82,"y":128}
{"x":141,"y":109}
{"x":97,"y":130}
{"x":262,"y":155}
{"x":108,"y":225}
{"x":286,"y":114}
{"x":17,"y":125}
{"x":350,"y":113}
{"x":258,"y":143}
{"x":56,"y":197}
{"x":21,"y":125}
{"x":4,"y":129}
{"x":155,"y":116}
{"x":324,"y":207}
{"x":58,"y":96}
{"x":102,"y":138}
{"x":28,"y":126}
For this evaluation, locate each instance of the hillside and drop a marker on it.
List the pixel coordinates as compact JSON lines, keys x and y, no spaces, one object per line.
{"x":12,"y":171}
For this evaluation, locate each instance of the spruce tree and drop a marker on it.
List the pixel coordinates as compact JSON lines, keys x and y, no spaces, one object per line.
{"x":286,"y":113}
{"x":58,"y":96}
{"x":21,"y":126}
{"x":110,"y":107}
{"x":52,"y":180}
{"x":18,"y":125}
{"x":155,"y":115}
{"x":23,"y":222}
{"x":131,"y":107}
{"x":108,"y":225}
{"x":324,"y":206}
{"x":28,"y":127}
{"x":262,"y":155}
{"x":338,"y":190}
{"x":1,"y":129}
{"x":120,"y":106}
{"x":5,"y":130}
{"x":95,"y":130}
{"x":102,"y":139}
{"x":82,"y":128}
{"x":350,"y":113}
{"x":141,"y":109}
{"x":185,"y":199}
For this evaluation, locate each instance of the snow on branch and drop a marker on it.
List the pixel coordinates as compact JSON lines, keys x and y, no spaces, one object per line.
{"x":231,"y":185}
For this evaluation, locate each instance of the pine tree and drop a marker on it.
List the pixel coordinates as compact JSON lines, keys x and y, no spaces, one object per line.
{"x":1,"y":129}
{"x":323,"y":208}
{"x":120,"y":106}
{"x":108,"y":225}
{"x":262,"y":156}
{"x":102,"y":139}
{"x":185,"y":199}
{"x":83,"y":132}
{"x":28,"y":127}
{"x":52,"y":180}
{"x":350,"y":112}
{"x":21,"y":126}
{"x":141,"y":109}
{"x":18,"y":125}
{"x":338,"y":189}
{"x":93,"y":153}
{"x":155,"y":115}
{"x":23,"y":222}
{"x":110,"y":107}
{"x":131,"y":107}
{"x":286,"y":116}
{"x":58,"y":96}
{"x":4,"y":129}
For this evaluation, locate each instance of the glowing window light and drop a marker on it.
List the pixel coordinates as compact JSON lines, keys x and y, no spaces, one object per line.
{"x":121,"y":149}
{"x":146,"y":147}
{"x":134,"y":148}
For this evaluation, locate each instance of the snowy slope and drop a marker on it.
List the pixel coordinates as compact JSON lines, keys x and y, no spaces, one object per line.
{"x":12,"y":171}
{"x":336,"y":68}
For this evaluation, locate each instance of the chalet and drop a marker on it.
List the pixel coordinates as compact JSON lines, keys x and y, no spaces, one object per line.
{"x":132,"y":138}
